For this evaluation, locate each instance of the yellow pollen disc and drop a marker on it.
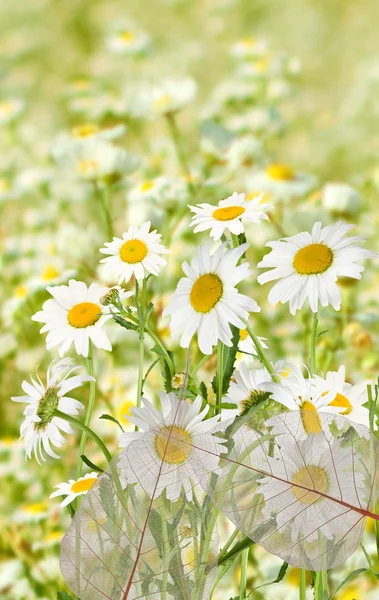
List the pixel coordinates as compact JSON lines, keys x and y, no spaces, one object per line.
{"x":313,"y":259}
{"x":173,"y":444}
{"x":162,"y":101}
{"x":341,"y":401}
{"x":86,"y":130}
{"x":36,"y":508}
{"x":84,"y":314}
{"x":312,"y":477}
{"x":133,"y":251}
{"x":243,"y":334}
{"x":206,"y":292}
{"x":310,"y":418}
{"x":127,"y":37}
{"x":6,"y":108}
{"x":4,"y":185}
{"x":228,"y":213}
{"x":49,"y":273}
{"x":54,"y":536}
{"x":83,"y":486}
{"x":248,"y":42}
{"x":280,"y":172}
{"x":88,"y":165}
{"x":124,"y":411}
{"x":147,"y":186}
{"x":21,"y":291}
{"x":261,"y":66}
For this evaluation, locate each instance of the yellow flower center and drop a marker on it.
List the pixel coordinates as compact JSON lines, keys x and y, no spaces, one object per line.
{"x":313,"y":259}
{"x":228,"y":213}
{"x":146,"y":186}
{"x":35,"y":508}
{"x":124,"y":411}
{"x":310,"y":418}
{"x":163,"y":101}
{"x":341,"y":401}
{"x":173,"y":444}
{"x":4,"y":185}
{"x":311,"y":477}
{"x":49,"y":273}
{"x":6,"y":107}
{"x":83,"y":486}
{"x":84,"y":314}
{"x":88,"y":165}
{"x":248,"y":42}
{"x":352,"y":593}
{"x":21,"y":291}
{"x":243,"y":334}
{"x":261,"y":66}
{"x":86,"y":130}
{"x":127,"y":37}
{"x":280,"y":172}
{"x":206,"y":292}
{"x":133,"y":251}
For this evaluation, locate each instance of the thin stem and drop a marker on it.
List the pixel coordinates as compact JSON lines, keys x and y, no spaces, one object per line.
{"x":176,"y":138}
{"x":91,"y":404}
{"x":220,"y":367}
{"x":166,"y":552}
{"x":228,"y":544}
{"x":105,"y":203}
{"x":372,"y":414}
{"x":237,"y":549}
{"x":87,"y":430}
{"x":200,"y":364}
{"x":302,"y":584}
{"x":141,"y":321}
{"x":243,"y":583}
{"x":235,"y":240}
{"x":261,"y":353}
{"x":313,"y":365}
{"x":321,"y":585}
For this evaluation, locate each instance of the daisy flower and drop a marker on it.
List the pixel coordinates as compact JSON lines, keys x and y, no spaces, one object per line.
{"x":282,"y":181}
{"x":309,"y":264}
{"x":174,"y":449}
{"x":72,"y":489}
{"x":169,"y":97}
{"x":207,"y":300}
{"x":346,"y":399}
{"x":10,"y":109}
{"x":75,"y":315}
{"x":246,"y":344}
{"x":246,"y":387}
{"x":150,"y":189}
{"x":126,"y":39}
{"x":249,"y":47}
{"x":137,"y":252}
{"x":341,"y":198}
{"x":228,"y":215}
{"x":40,"y":427}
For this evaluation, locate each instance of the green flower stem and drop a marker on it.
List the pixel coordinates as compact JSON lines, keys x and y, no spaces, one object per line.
{"x":87,"y":419}
{"x":165,"y":551}
{"x":104,"y":195}
{"x":228,"y":544}
{"x":235,"y":240}
{"x":87,"y":430}
{"x":220,"y":361}
{"x":237,"y":549}
{"x":372,"y":413}
{"x":243,"y":583}
{"x":141,"y":306}
{"x":261,"y":353}
{"x":302,"y":584}
{"x":177,"y":140}
{"x":313,"y":365}
{"x":204,"y":550}
{"x":200,"y":364}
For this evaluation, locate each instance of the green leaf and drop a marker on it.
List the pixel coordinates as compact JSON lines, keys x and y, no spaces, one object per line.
{"x":376,"y":575}
{"x":228,"y":405}
{"x":149,"y":371}
{"x":123,"y":322}
{"x":203,"y":391}
{"x":110,"y":418}
{"x":229,"y":358}
{"x":63,"y":596}
{"x":349,"y":578}
{"x":90,"y":464}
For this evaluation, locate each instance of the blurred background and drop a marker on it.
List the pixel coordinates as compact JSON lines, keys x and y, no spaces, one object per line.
{"x":305,"y":97}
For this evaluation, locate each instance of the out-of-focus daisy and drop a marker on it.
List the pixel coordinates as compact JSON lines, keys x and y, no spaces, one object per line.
{"x":92,"y":131}
{"x":341,"y":198}
{"x":40,"y":426}
{"x":170,"y":96}
{"x":249,"y":47}
{"x":282,"y":181}
{"x":174,"y":450}
{"x":309,"y":264}
{"x":126,"y":38}
{"x":75,"y":315}
{"x":138,"y":252}
{"x":230,"y":214}
{"x":148,"y":189}
{"x":33,"y":179}
{"x":72,"y":489}
{"x":247,"y":345}
{"x":95,"y":160}
{"x":345,"y":398}
{"x":32,"y":512}
{"x":243,"y":152}
{"x":10,"y":110}
{"x":207,"y":300}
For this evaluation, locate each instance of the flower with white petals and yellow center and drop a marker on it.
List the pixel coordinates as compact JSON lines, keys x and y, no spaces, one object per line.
{"x":72,"y":489}
{"x":309,"y":264}
{"x":10,"y":109}
{"x":41,"y":427}
{"x":127,"y":39}
{"x":92,"y":131}
{"x":282,"y":181}
{"x":207,"y":301}
{"x":246,"y":344}
{"x":247,"y":388}
{"x":137,"y":253}
{"x":249,"y":47}
{"x":230,"y":214}
{"x":173,"y":450}
{"x":301,"y":476}
{"x":75,"y":315}
{"x":148,"y":189}
{"x":169,"y":97}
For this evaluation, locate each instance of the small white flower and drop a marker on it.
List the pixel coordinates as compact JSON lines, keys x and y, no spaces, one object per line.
{"x":309,"y":264}
{"x":341,"y":198}
{"x":72,"y":489}
{"x":137,"y":252}
{"x":230,"y":214}
{"x":169,"y":97}
{"x":91,"y":131}
{"x":10,"y":109}
{"x":249,"y":47}
{"x":40,"y":427}
{"x":125,"y":38}
{"x":148,"y":189}
{"x":246,"y":344}
{"x":246,"y":388}
{"x":75,"y":315}
{"x":175,"y":449}
{"x":207,"y":300}
{"x":281,"y":181}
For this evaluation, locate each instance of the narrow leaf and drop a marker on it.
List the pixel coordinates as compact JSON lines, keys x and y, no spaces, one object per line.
{"x":110,"y":418}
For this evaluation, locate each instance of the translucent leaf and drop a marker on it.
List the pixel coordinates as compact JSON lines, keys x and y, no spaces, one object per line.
{"x":303,"y":496}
